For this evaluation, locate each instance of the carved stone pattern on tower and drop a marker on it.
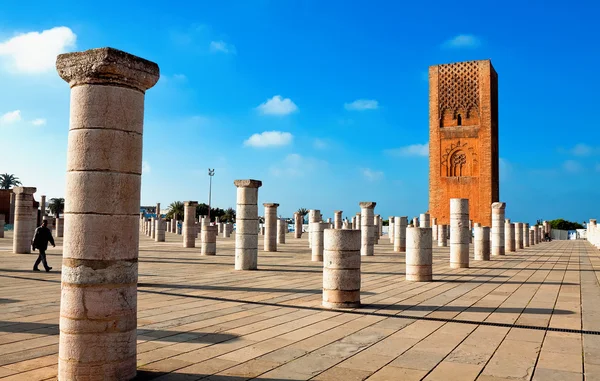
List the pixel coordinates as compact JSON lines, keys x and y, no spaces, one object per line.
{"x":458,"y":87}
{"x":459,"y":160}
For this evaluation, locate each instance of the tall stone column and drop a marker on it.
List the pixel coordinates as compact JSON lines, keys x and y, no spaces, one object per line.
{"x":153,"y":227}
{"x":367,"y":229}
{"x":509,"y":235}
{"x":377,"y":231}
{"x":400,"y":224}
{"x":419,"y":254}
{"x":281,"y":228}
{"x":189,"y":224}
{"x":246,"y":235}
{"x":42,"y":207}
{"x":208,"y":239}
{"x":424,"y":220}
{"x":24,"y":225}
{"x":519,"y":235}
{"x":337,"y":219}
{"x":60,"y":227}
{"x":434,"y":228}
{"x":2,"y":222}
{"x":358,"y":222}
{"x":481,"y":245}
{"x":531,"y":236}
{"x":314,"y":217}
{"x":525,"y":234}
{"x":298,"y":220}
{"x":460,"y":235}
{"x":98,"y":314}
{"x":341,"y":268}
{"x":379,"y":227}
{"x":318,"y":242}
{"x":271,"y":223}
{"x":11,"y":217}
{"x":391,"y":229}
{"x":498,"y":241}
{"x":442,"y":238}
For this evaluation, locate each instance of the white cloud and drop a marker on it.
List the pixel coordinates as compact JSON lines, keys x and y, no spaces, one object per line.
{"x":572,"y":166}
{"x":295,"y":165}
{"x":146,"y":167}
{"x":38,"y":122}
{"x":462,"y":41}
{"x":410,"y":150}
{"x":35,"y":52}
{"x":277,"y":106}
{"x":269,"y":139}
{"x":10,"y":117}
{"x":371,"y":175}
{"x":362,"y":104}
{"x":320,"y":144}
{"x":222,"y":47}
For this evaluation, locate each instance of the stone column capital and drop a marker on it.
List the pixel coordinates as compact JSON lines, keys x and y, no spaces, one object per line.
{"x":270,"y":205}
{"x":190,"y":203}
{"x":24,"y":190}
{"x":367,"y":204}
{"x":498,"y":205}
{"x":337,"y":211}
{"x":109,"y":67}
{"x":247,"y":183}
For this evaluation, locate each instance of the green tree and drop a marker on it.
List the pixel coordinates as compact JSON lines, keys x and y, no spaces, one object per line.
{"x":562,"y":224}
{"x":8,"y":181}
{"x":176,"y":207}
{"x":229,"y":215}
{"x":303,"y":212}
{"x":57,"y":206}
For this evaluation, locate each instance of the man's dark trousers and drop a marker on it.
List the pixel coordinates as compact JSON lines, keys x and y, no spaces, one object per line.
{"x":41,"y":258}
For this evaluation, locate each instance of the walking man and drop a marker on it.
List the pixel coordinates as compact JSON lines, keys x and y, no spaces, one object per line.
{"x":42,"y":236}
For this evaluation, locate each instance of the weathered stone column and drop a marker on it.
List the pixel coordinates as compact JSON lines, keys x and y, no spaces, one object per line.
{"x":519,"y":235}
{"x":246,"y":235}
{"x":434,"y":228}
{"x":442,"y":238}
{"x":60,"y":227}
{"x":189,"y":223}
{"x":281,"y":228}
{"x":98,"y":315}
{"x":318,"y":241}
{"x":509,"y":235}
{"x":160,"y":230}
{"x":174,"y":223}
{"x":531,"y":236}
{"x":346,"y":225}
{"x":11,"y":217}
{"x":379,"y":227}
{"x":358,"y":222}
{"x":208,"y":240}
{"x":337,"y":219}
{"x":270,"y":241}
{"x":424,"y":220}
{"x":419,"y":254}
{"x":525,"y":234}
{"x":24,"y":225}
{"x":498,"y":241}
{"x":168,"y":226}
{"x":153,"y":227}
{"x":314,"y":217}
{"x":391,"y":229}
{"x":400,"y":224}
{"x":377,"y":231}
{"x":459,"y":233}
{"x":482,"y":243}
{"x":341,"y":268}
{"x":2,"y":222}
{"x":298,"y":220}
{"x":415,"y":222}
{"x":42,"y":207}
{"x":367,"y":235}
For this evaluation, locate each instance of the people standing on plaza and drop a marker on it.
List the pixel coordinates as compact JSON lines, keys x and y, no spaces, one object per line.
{"x":42,"y":236}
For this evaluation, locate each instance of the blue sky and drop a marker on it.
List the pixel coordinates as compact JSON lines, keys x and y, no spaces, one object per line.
{"x":335,"y":91}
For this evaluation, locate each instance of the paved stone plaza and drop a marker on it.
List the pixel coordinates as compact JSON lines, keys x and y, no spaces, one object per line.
{"x":533,"y":314}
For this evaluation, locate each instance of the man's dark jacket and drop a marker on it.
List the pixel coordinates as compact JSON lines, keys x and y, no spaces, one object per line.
{"x":41,"y":238}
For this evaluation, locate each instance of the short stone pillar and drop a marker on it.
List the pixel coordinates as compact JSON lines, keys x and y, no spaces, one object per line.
{"x":208,"y":239}
{"x":189,"y":223}
{"x":424,"y":220}
{"x":60,"y":227}
{"x":281,"y":229}
{"x":400,"y":225}
{"x":246,"y":234}
{"x":98,"y":309}
{"x":498,"y":240}
{"x":337,"y":219}
{"x":367,"y":229}
{"x":174,"y":223}
{"x":318,"y":241}
{"x":525,"y":234}
{"x":434,"y":229}
{"x":415,"y":222}
{"x":168,"y":226}
{"x":11,"y":217}
{"x":24,"y":225}
{"x":481,"y":244}
{"x":271,"y":222}
{"x":298,"y":221}
{"x":341,"y":268}
{"x":509,"y":235}
{"x":377,"y":231}
{"x":391,"y":229}
{"x":314,"y":217}
{"x":160,"y":230}
{"x":346,"y":225}
{"x":442,"y":238}
{"x":153,"y":227}
{"x":519,"y":244}
{"x":358,"y":222}
{"x":2,"y":222}
{"x":460,"y":235}
{"x":379,"y":227}
{"x":531,"y":236}
{"x":419,"y":254}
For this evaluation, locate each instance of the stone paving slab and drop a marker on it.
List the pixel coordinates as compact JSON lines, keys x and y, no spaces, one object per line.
{"x":529,"y":315}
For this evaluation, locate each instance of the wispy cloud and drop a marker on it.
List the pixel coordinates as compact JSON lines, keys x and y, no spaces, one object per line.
{"x":296,"y":165}
{"x":362,"y":105}
{"x":572,"y":166}
{"x":320,"y":144}
{"x":410,"y":150}
{"x":580,"y":149}
{"x":222,"y":47}
{"x":146,"y":167}
{"x":371,"y":175}
{"x":35,"y":52}
{"x":10,"y":117}
{"x":462,"y":41}
{"x":277,"y":106}
{"x":38,"y":122}
{"x":269,"y":139}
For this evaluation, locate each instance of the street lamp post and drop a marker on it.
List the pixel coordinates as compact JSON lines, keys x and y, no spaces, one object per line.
{"x":211,"y":173}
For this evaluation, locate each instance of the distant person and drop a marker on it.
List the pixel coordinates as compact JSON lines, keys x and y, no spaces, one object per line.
{"x":42,"y":236}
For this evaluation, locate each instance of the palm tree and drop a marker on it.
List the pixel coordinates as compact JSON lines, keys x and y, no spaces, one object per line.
{"x":176,"y":207}
{"x":8,"y":181}
{"x":229,"y":215}
{"x":303,"y":212}
{"x":57,"y":206}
